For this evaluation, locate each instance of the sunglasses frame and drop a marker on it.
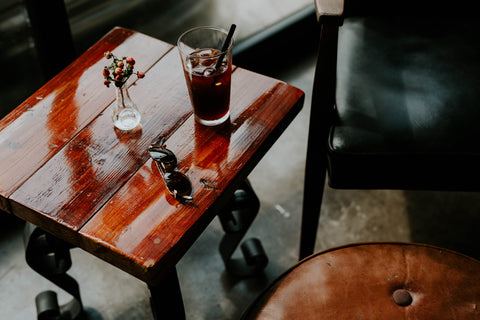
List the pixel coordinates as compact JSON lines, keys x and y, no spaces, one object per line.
{"x":177,"y":183}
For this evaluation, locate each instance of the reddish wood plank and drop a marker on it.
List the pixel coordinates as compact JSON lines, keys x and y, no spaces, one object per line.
{"x":45,"y":122}
{"x":81,"y":177}
{"x":142,"y":229}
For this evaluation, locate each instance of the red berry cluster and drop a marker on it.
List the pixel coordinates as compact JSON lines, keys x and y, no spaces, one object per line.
{"x":119,"y":70}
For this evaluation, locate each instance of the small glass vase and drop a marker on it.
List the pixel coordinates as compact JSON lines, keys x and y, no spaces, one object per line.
{"x":125,"y":112}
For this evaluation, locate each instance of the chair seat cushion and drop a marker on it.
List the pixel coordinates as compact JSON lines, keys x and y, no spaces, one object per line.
{"x":408,"y":106}
{"x":394,"y":281}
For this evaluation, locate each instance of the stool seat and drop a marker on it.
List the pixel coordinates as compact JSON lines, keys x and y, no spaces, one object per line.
{"x":375,"y":281}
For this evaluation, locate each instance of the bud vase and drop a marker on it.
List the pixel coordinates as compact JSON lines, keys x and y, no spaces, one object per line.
{"x":125,"y":112}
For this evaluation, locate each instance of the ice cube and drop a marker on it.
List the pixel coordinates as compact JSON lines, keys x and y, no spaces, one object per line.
{"x":208,"y":71}
{"x":192,"y":62}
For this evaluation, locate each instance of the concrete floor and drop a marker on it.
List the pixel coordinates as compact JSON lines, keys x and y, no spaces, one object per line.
{"x":445,"y":219}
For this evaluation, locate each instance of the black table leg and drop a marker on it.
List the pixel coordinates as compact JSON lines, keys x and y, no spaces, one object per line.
{"x":236,"y":218}
{"x":166,"y":298}
{"x":50,"y":257}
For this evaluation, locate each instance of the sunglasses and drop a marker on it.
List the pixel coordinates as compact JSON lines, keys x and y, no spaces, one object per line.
{"x":177,"y":183}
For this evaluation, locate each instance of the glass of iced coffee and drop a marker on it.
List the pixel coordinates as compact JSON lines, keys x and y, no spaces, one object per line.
{"x":206,"y":54}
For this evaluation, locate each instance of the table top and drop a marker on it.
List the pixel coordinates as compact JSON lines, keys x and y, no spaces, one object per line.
{"x":65,"y":168}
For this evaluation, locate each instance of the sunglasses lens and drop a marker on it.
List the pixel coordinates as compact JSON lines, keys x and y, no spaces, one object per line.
{"x":164,"y":157}
{"x":178,"y":184}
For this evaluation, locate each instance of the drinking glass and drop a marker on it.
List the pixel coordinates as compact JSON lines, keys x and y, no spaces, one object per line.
{"x":208,"y":71}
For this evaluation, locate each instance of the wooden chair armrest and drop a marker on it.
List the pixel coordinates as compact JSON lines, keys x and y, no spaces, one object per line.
{"x":337,"y":10}
{"x":329,"y":10}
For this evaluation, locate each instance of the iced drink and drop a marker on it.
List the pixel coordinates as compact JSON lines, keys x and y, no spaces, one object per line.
{"x":208,"y":86}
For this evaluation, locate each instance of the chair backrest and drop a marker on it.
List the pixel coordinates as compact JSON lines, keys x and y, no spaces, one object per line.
{"x":406,"y":94}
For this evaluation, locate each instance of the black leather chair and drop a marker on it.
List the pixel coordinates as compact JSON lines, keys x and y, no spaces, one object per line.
{"x":396,"y":100}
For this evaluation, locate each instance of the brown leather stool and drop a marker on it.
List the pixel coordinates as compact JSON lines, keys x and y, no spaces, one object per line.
{"x":375,"y":281}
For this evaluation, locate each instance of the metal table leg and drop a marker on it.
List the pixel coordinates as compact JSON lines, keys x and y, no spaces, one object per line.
{"x":50,"y":257}
{"x":236,"y":218}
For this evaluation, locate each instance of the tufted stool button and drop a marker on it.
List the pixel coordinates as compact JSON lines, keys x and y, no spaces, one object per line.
{"x":402,"y":297}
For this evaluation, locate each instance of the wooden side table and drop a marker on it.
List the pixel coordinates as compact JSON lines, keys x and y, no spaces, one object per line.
{"x":65,"y":168}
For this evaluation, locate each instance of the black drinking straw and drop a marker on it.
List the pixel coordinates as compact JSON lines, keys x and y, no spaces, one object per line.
{"x":226,"y":44}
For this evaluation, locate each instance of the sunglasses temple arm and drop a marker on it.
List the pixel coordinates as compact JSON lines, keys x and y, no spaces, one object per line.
{"x":160,"y":168}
